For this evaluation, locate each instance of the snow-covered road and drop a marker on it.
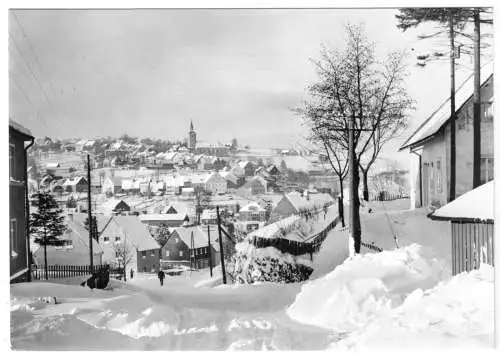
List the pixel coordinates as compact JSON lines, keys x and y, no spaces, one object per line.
{"x":143,"y":315}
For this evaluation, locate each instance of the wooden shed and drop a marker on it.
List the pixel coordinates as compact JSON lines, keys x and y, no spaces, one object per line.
{"x":472,"y":228}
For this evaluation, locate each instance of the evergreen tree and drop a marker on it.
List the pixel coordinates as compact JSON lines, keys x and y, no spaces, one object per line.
{"x":95,"y":231}
{"x":46,"y":223}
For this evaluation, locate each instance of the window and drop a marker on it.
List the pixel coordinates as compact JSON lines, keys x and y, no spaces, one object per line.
{"x":13,"y":238}
{"x":439,"y":187}
{"x":177,"y":241}
{"x":12,"y":160}
{"x":487,"y":170}
{"x":181,"y":253}
{"x":105,"y":239}
{"x":144,"y":253}
{"x":487,"y":112}
{"x":117,"y":239}
{"x":152,"y":252}
{"x":167,"y":253}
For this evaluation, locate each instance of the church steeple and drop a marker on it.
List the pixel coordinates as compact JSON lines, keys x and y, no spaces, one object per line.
{"x":192,"y":138}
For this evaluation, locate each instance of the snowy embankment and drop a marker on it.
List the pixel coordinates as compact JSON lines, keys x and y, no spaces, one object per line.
{"x":399,"y":299}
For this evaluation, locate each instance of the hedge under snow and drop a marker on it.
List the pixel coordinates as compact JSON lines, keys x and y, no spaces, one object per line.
{"x":251,"y":265}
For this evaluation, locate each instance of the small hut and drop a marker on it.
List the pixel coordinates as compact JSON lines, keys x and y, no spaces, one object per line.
{"x":472,"y":220}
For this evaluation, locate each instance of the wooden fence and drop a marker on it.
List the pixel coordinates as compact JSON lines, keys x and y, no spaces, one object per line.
{"x":471,"y":244}
{"x":371,"y":246}
{"x":309,"y":246}
{"x":64,"y":271}
{"x":387,"y":196}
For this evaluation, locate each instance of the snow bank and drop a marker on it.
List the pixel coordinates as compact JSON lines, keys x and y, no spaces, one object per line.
{"x":458,"y":313}
{"x":251,"y":265}
{"x":364,"y":287}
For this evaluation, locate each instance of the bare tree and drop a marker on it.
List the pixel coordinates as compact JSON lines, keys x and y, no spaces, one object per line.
{"x":355,"y":89}
{"x":201,"y":201}
{"x":124,"y":255}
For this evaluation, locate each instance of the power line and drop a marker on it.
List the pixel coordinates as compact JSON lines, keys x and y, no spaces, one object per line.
{"x":35,"y":56}
{"x":31,"y":71}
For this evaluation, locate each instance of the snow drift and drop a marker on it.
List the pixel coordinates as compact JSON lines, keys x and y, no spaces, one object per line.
{"x":457,"y":313}
{"x":364,"y":287}
{"x":399,"y":299}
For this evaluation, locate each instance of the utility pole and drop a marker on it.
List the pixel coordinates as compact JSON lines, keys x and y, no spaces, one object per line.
{"x":476,"y":177}
{"x":453,"y":160}
{"x":193,"y":253}
{"x":221,"y":248}
{"x":209,"y":251}
{"x":89,"y":201}
{"x":125,"y":257}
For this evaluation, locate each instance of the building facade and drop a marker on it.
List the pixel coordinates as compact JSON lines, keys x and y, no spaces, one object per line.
{"x":20,"y":260}
{"x":429,"y":147}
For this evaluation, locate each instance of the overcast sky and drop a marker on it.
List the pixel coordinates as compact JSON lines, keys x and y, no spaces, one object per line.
{"x":235,"y":73}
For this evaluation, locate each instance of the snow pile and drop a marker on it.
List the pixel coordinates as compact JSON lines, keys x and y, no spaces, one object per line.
{"x":251,"y":265}
{"x":457,"y":313}
{"x":365,"y":287}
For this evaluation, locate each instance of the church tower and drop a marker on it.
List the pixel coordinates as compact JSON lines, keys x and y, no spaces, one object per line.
{"x":192,"y":138}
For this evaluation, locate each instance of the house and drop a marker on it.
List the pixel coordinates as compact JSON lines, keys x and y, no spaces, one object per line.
{"x":252,"y":212}
{"x":258,"y":185}
{"x":208,"y":217}
{"x":112,"y":186}
{"x":170,"y":210}
{"x":238,"y":171}
{"x":129,"y":231}
{"x":20,"y":261}
{"x":77,"y":184}
{"x":273,"y":170}
{"x":115,"y":206}
{"x":75,"y":250}
{"x":170,"y":220}
{"x":231,"y":179}
{"x":296,"y":203}
{"x":189,"y":246}
{"x":69,"y":147}
{"x":429,"y":146}
{"x":472,"y":228}
{"x":187,"y":193}
{"x":248,"y":168}
{"x":215,"y":184}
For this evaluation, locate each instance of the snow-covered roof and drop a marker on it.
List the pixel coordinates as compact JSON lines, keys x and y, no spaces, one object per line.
{"x":252,"y":207}
{"x":199,"y":236}
{"x":82,"y":236}
{"x":228,"y":176}
{"x":440,"y":116}
{"x":74,"y":181}
{"x":111,"y":204}
{"x":162,"y":217}
{"x":136,"y":232}
{"x":19,"y":128}
{"x":475,"y":205}
{"x":300,"y":202}
{"x":274,"y":230}
{"x":208,"y":214}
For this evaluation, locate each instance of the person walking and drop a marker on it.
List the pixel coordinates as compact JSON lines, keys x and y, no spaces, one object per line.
{"x":131,"y":273}
{"x":161,"y":276}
